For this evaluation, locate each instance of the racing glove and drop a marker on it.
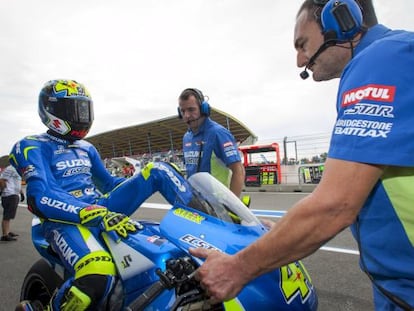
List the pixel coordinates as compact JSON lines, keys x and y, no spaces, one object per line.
{"x":99,"y":216}
{"x":119,"y":223}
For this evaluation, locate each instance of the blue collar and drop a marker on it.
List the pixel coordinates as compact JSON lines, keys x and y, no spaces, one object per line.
{"x":372,"y":34}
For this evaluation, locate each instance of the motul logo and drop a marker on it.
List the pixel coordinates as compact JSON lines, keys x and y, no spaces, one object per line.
{"x":379,"y":93}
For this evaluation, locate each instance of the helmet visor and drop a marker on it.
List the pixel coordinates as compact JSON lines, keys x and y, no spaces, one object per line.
{"x":78,"y":110}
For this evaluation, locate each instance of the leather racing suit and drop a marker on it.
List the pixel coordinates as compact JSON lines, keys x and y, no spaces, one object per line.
{"x":64,"y":177}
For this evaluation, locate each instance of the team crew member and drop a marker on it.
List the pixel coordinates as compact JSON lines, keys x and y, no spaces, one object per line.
{"x":75,"y":197}
{"x":208,"y":146}
{"x":369,"y":174}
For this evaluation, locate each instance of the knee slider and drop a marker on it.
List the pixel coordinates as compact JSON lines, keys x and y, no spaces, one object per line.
{"x":75,"y":299}
{"x":88,"y":291}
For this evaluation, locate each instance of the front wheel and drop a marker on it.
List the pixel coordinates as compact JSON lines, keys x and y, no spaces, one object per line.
{"x":40,"y":283}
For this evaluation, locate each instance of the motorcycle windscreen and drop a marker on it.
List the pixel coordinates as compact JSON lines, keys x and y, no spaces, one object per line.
{"x":213,"y":198}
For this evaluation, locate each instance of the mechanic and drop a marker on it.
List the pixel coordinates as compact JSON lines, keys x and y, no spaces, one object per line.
{"x":207,"y":145}
{"x":369,"y":174}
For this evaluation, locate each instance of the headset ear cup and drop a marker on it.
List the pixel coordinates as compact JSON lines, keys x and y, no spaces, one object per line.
{"x":205,"y":108}
{"x":344,"y":17}
{"x":180,"y":116}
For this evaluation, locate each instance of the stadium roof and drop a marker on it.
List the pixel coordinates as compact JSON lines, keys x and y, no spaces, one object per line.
{"x":160,"y":135}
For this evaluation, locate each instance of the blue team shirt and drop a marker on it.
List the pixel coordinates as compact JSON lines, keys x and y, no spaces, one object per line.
{"x":375,"y":125}
{"x":218,"y":150}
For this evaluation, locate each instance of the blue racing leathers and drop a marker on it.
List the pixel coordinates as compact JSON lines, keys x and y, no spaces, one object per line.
{"x":65,"y":177}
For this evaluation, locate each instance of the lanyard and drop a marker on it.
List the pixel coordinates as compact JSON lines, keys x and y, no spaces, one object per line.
{"x":199,"y":156}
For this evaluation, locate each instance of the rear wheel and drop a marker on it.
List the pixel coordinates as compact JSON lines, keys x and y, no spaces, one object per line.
{"x":40,"y":283}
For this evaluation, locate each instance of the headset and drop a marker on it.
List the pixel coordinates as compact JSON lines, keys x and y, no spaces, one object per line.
{"x":341,"y":20}
{"x":205,"y":108}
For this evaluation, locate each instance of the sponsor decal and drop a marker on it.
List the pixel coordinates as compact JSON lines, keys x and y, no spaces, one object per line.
{"x":76,"y":171}
{"x":157,"y":240}
{"x":76,"y":193}
{"x":73,"y":163}
{"x":126,"y":262}
{"x":29,"y":171}
{"x":230,"y":150}
{"x":89,"y":191}
{"x":171,"y":175}
{"x":82,"y":153}
{"x":57,"y":124}
{"x":191,"y":216}
{"x":68,"y":254}
{"x":384,"y":111}
{"x":59,"y":140}
{"x":104,"y":258}
{"x":92,"y":207}
{"x":373,"y":92}
{"x":363,"y":128}
{"x":18,"y":149}
{"x":231,"y":153}
{"x":196,"y":242}
{"x":60,"y":205}
{"x":191,"y":157}
{"x":61,"y":150}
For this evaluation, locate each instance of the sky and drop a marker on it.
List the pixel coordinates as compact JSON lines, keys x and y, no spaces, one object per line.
{"x":136,"y":56}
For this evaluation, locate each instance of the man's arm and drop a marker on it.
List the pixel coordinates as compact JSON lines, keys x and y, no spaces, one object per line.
{"x":3,"y":184}
{"x":237,"y":178}
{"x":311,"y":222}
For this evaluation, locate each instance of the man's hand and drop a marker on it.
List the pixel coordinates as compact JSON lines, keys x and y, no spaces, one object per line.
{"x":110,"y":222}
{"x":119,"y":223}
{"x":267,"y":223}
{"x":219,"y":275}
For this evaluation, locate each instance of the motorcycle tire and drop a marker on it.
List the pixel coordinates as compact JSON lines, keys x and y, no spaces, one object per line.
{"x":40,"y":283}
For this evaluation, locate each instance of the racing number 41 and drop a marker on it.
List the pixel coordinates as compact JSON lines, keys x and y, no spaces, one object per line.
{"x":295,"y":280}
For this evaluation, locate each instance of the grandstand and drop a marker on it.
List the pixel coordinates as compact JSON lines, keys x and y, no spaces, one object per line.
{"x":160,"y":136}
{"x":156,"y":139}
{"x":161,"y":140}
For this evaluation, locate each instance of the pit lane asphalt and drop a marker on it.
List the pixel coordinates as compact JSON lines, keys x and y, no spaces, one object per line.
{"x":340,"y":284}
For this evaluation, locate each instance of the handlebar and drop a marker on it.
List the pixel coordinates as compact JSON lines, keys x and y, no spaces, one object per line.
{"x":146,"y":297}
{"x":178,"y":271}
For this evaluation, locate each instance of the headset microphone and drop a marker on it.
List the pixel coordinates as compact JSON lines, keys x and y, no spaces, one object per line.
{"x":304,"y":74}
{"x":190,"y":121}
{"x":330,"y":42}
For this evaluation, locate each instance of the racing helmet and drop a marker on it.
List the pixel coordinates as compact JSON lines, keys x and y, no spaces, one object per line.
{"x":66,"y":108}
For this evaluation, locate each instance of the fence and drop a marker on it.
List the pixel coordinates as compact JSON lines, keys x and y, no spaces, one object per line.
{"x":302,"y":157}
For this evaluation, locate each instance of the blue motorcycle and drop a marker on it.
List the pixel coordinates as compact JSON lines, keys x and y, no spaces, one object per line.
{"x":155,"y":269}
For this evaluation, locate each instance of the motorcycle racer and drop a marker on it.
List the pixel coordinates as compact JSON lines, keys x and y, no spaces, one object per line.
{"x":75,"y":197}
